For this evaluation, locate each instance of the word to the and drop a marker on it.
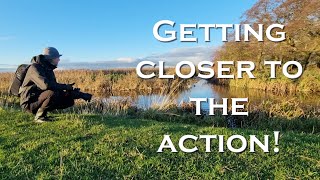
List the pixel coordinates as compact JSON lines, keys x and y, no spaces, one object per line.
{"x":223,"y":69}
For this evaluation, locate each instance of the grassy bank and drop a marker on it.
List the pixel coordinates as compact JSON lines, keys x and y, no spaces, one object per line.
{"x":102,"y":146}
{"x":285,"y":115}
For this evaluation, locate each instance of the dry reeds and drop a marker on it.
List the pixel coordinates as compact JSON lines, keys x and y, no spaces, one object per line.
{"x":107,"y":81}
{"x":309,"y":82}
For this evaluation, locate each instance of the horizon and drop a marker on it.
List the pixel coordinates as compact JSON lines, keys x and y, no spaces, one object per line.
{"x":108,"y":31}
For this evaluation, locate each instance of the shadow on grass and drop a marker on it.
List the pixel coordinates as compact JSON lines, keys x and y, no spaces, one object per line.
{"x":300,"y":125}
{"x":136,"y":123}
{"x":111,"y":147}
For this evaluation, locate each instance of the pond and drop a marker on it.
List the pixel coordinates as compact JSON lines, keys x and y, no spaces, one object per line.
{"x":202,"y":89}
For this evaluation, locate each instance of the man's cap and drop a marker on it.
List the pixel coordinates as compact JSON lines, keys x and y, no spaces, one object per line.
{"x":51,"y":53}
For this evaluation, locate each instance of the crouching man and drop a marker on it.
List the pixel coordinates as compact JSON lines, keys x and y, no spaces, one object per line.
{"x":40,"y":92}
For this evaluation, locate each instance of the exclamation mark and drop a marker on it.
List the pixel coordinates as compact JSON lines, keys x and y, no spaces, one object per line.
{"x":276,"y":141}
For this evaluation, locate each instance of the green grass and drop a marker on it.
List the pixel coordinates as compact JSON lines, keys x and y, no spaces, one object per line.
{"x":105,"y":147}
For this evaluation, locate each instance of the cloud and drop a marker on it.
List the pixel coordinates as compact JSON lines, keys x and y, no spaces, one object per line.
{"x":7,"y":67}
{"x":126,"y":59}
{"x":172,"y":57}
{"x":193,"y":54}
{"x":99,"y":65}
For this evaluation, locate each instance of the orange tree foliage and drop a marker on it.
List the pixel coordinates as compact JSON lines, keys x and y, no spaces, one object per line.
{"x":302,"y":26}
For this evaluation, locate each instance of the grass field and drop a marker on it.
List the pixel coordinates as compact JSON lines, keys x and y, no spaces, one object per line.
{"x":109,"y":147}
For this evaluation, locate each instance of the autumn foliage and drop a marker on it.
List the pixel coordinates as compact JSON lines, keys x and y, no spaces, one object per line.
{"x":301,"y":19}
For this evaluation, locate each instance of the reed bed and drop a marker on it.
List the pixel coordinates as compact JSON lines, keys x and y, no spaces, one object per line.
{"x":309,"y":82}
{"x":109,"y":81}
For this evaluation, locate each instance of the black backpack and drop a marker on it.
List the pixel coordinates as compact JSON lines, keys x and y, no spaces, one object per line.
{"x":17,"y":81}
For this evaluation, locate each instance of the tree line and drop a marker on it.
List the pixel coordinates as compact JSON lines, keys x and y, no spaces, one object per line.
{"x":302,"y":26}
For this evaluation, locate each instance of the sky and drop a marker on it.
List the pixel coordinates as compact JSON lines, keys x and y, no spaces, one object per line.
{"x":119,"y":31}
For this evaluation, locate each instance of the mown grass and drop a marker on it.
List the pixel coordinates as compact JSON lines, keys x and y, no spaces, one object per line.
{"x":114,"y":147}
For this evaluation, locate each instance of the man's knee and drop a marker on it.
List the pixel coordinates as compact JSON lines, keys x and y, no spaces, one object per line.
{"x":69,"y":102}
{"x":48,"y":94}
{"x":62,"y":101}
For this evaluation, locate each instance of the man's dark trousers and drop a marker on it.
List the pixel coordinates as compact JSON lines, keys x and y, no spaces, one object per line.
{"x":50,"y":100}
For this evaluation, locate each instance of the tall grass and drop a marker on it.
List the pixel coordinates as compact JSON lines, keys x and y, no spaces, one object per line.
{"x":109,"y":81}
{"x":5,"y":81}
{"x":309,"y":82}
{"x":287,"y":114}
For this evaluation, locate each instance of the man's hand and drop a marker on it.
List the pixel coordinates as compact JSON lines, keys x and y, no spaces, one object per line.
{"x":69,"y":87}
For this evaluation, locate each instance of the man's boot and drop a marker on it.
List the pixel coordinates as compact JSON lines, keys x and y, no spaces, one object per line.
{"x":77,"y":94}
{"x":41,"y":116}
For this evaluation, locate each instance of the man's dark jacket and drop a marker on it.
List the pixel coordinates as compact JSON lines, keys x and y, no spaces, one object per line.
{"x":39,"y":77}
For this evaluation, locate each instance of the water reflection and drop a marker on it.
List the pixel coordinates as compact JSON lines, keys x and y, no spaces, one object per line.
{"x":202,"y":89}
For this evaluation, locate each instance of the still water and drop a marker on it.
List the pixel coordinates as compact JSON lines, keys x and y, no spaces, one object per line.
{"x":202,"y":89}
